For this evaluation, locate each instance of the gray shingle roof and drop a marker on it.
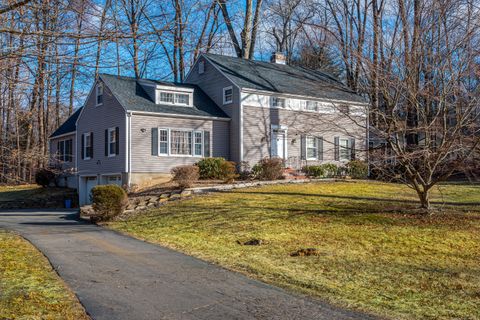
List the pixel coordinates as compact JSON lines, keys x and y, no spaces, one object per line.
{"x":133,"y":97}
{"x":69,"y":126}
{"x":279,"y":78}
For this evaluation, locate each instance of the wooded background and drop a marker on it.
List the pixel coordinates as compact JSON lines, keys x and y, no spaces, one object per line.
{"x":420,"y":54}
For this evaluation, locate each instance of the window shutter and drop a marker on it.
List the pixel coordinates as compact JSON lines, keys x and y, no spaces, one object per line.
{"x":83,"y":146}
{"x":154,"y":141}
{"x":206,"y":144}
{"x":58,"y":151}
{"x":91,"y":145}
{"x":320,"y":148}
{"x":303,"y":147}
{"x":106,"y":142}
{"x":337,"y":148}
{"x":117,"y":140}
{"x":352,"y":148}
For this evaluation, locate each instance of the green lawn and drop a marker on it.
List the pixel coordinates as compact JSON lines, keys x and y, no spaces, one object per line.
{"x":29,"y":192}
{"x":29,"y":288}
{"x":376,"y":254}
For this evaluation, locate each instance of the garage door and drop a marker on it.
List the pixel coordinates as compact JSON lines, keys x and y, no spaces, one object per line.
{"x":114,"y":180}
{"x":91,"y":182}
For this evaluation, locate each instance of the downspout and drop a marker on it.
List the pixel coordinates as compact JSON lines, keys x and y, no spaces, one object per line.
{"x":127,"y":147}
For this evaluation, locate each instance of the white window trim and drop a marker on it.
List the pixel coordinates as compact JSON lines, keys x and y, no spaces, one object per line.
{"x":306,"y":148}
{"x":99,"y":86}
{"x":340,"y":147}
{"x":110,"y":130}
{"x":169,"y":143}
{"x":86,"y":137}
{"x":158,"y":93}
{"x":224,"y":96}
{"x":201,"y":143}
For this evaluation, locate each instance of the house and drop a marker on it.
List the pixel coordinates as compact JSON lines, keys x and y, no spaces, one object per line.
{"x":134,"y":131}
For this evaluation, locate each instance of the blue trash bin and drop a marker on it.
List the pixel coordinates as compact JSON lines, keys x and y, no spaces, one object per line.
{"x":68,"y":203}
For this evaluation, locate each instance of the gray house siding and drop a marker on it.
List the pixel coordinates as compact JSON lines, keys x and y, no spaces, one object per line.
{"x":212,"y":83}
{"x":96,"y":119}
{"x":142,"y":160}
{"x":221,"y":139}
{"x":64,"y":165}
{"x":258,"y":123}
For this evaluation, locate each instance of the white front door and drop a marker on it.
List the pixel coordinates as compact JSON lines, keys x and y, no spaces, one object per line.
{"x":90,"y":183}
{"x":278,"y":144}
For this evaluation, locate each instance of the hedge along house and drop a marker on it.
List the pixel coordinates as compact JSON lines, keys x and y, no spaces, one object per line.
{"x":134,"y":131}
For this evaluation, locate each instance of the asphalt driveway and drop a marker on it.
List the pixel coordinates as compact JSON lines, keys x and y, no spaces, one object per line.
{"x":118,"y":277}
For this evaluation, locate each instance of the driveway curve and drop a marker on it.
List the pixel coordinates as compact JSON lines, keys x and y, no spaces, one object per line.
{"x":119,"y":277}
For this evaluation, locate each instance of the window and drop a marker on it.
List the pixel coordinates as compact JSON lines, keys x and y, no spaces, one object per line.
{"x":198,"y":143}
{"x":112,"y":142}
{"x":174,"y":98}
{"x":87,"y":145}
{"x":64,"y":150}
{"x":344,"y":149}
{"x":278,"y":102}
{"x":201,"y":67}
{"x":181,"y":98}
{"x":227,"y":95}
{"x":99,"y":89}
{"x":180,"y":142}
{"x":311,"y":106}
{"x":166,"y":97}
{"x":312,"y":148}
{"x":163,"y":141}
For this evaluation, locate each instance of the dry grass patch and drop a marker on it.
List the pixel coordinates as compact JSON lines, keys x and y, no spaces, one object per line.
{"x":29,"y":288}
{"x":373,"y":252}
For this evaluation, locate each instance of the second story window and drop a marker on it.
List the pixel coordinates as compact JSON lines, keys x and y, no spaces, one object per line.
{"x":64,"y":150}
{"x":201,"y":67}
{"x":311,"y":106}
{"x":87,"y":146}
{"x":112,"y":145}
{"x":277,"y":102}
{"x":174,"y":98}
{"x":99,"y":99}
{"x":227,"y":95}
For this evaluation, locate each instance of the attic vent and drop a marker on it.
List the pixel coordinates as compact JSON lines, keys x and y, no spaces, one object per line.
{"x":201,"y":67}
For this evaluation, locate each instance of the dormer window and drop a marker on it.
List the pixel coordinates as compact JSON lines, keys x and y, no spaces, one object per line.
{"x":99,"y":95}
{"x":174,"y":98}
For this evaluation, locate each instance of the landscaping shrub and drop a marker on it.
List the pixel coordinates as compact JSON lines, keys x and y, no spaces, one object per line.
{"x":357,"y":169}
{"x":45,"y":177}
{"x":269,"y":169}
{"x":314,"y":171}
{"x":330,"y":170}
{"x":228,"y":172}
{"x":185,"y":176}
{"x":217,"y":168}
{"x":108,"y":201}
{"x":210,"y":168}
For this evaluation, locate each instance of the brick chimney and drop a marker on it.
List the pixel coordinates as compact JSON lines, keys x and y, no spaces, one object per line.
{"x":278,"y":57}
